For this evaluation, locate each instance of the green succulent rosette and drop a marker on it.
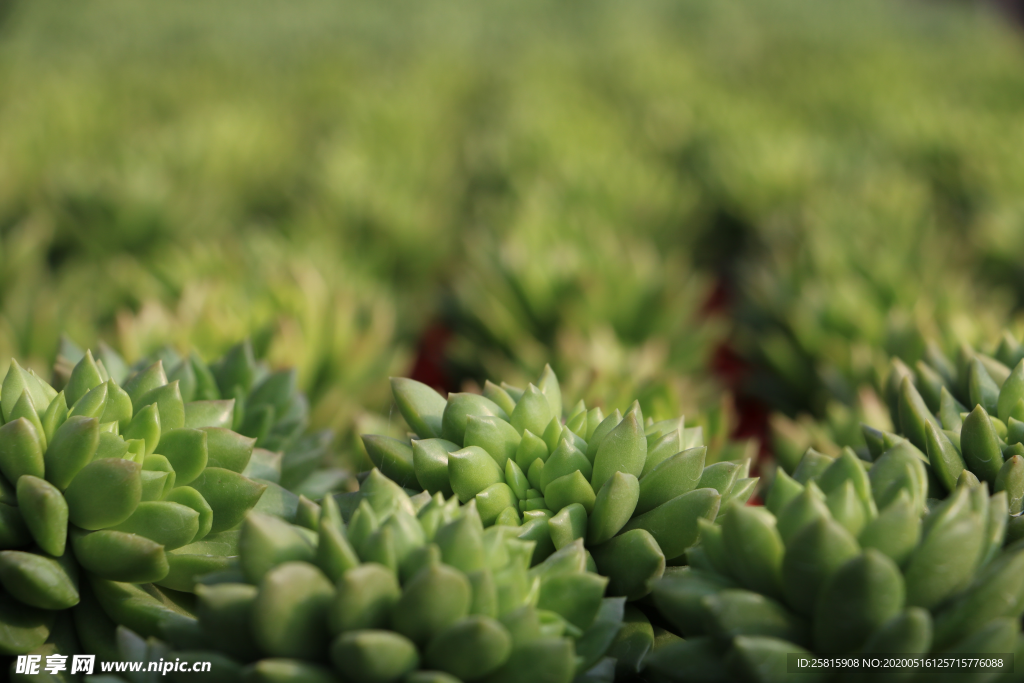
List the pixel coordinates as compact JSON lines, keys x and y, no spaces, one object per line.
{"x":632,"y":490}
{"x":962,"y":416}
{"x":110,"y":483}
{"x":268,"y":406}
{"x":379,"y":586}
{"x":617,"y":317}
{"x":846,"y":558}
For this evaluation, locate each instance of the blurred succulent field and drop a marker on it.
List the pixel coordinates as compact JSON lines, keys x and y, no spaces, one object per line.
{"x":760,"y":214}
{"x":550,"y":181}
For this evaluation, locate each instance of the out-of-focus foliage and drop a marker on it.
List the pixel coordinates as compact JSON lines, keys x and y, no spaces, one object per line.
{"x":613,"y":314}
{"x":318,"y":172}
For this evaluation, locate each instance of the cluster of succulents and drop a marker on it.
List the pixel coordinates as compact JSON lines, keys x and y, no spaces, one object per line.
{"x":619,"y":319}
{"x":377,"y":586}
{"x":111,"y":482}
{"x":846,"y":557}
{"x":633,"y":490}
{"x":961,"y":417}
{"x":267,"y":406}
{"x":165,"y":508}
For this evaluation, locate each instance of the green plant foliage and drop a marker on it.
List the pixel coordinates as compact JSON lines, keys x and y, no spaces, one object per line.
{"x":632,"y":489}
{"x":846,"y":558}
{"x":113,"y":482}
{"x":380,"y":586}
{"x":238,"y":392}
{"x":958,"y":414}
{"x":618,"y":319}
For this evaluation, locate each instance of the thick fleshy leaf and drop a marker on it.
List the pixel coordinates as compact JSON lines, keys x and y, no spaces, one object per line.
{"x":45,"y":513}
{"x":980,"y":445}
{"x":624,"y":449}
{"x":421,"y":406}
{"x":289,"y":615}
{"x":858,"y":599}
{"x":104,"y":493}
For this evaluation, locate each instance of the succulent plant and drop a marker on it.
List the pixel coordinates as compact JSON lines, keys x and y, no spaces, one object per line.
{"x":633,"y":490}
{"x":618,"y":318}
{"x":378,"y":587}
{"x":107,"y":482}
{"x":962,"y":418}
{"x":847,"y":558}
{"x":268,"y":406}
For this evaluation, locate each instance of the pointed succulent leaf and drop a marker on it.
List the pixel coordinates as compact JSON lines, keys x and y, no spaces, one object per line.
{"x":170,"y":524}
{"x":984,"y":391}
{"x":949,"y":411}
{"x":613,"y":507}
{"x":104,"y":493}
{"x":980,"y":445}
{"x":492,"y":500}
{"x":930,"y":384}
{"x":433,"y":600}
{"x":565,"y":459}
{"x":1011,"y":392}
{"x":784,"y":489}
{"x":73,"y":446}
{"x":209,"y":414}
{"x":471,"y":470}
{"x":674,"y":524}
{"x":569,"y":489}
{"x":144,"y":381}
{"x":496,"y":436}
{"x":187,"y":451}
{"x":632,"y":561}
{"x":229,"y":494}
{"x":946,"y":461}
{"x":421,"y":406}
{"x":458,"y":409}
{"x":430,"y":463}
{"x":603,"y":429}
{"x":1011,"y":480}
{"x":119,"y":556}
{"x":145,"y":425}
{"x":847,"y":509}
{"x":807,"y":506}
{"x":945,"y":560}
{"x":39,"y":581}
{"x":92,"y":404}
{"x":913,"y":413}
{"x":516,"y":479}
{"x":364,"y":598}
{"x":167,"y":397}
{"x":499,"y":396}
{"x":289,"y":615}
{"x":624,"y":449}
{"x":679,"y":474}
{"x":189,"y":497}
{"x":569,"y":525}
{"x":45,"y":513}
{"x":909,"y":632}
{"x":530,"y":448}
{"x":858,"y":599}
{"x":19,"y":381}
{"x":20,"y":451}
{"x":25,"y":408}
{"x":895,"y":532}
{"x":812,"y":555}
{"x":533,"y":411}
{"x":54,"y":416}
{"x":735,"y":612}
{"x":392,"y":457}
{"x":754,"y":549}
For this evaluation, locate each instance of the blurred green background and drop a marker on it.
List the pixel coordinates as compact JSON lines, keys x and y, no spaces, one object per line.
{"x":671,"y":199}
